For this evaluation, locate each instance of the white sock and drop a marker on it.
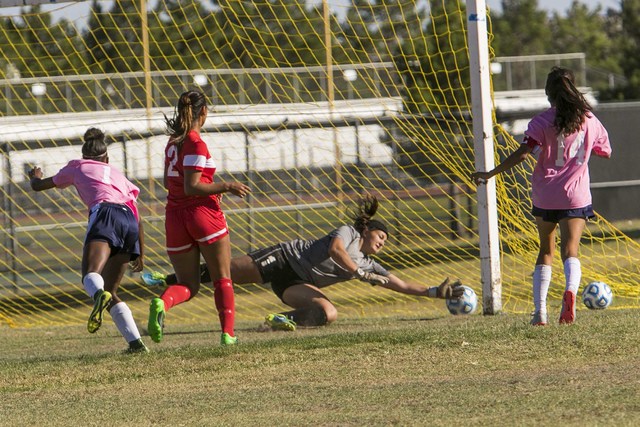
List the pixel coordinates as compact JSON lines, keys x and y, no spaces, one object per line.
{"x":93,"y":282}
{"x":541,"y":282}
{"x":572,"y":274}
{"x":123,"y":318}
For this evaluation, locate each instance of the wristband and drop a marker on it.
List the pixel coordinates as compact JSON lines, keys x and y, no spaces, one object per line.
{"x":432,"y":292}
{"x":359,"y":273}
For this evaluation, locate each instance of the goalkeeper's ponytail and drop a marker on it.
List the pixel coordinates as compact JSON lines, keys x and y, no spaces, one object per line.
{"x":363,"y":214}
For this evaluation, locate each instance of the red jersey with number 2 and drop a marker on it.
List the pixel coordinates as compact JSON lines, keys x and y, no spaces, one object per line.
{"x":194,"y":155}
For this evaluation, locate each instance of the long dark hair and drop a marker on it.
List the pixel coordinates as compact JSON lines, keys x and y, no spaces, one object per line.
{"x":363,"y":213}
{"x":186,"y":113}
{"x":571,"y":105}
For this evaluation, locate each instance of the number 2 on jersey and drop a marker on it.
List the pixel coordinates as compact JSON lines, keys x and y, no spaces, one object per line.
{"x":172,"y":155}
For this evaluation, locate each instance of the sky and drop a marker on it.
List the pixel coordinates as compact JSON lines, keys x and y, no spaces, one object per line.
{"x":563,"y":5}
{"x":80,"y":9}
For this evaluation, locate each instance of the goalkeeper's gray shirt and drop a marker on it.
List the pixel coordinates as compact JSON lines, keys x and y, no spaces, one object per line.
{"x":311,"y":261}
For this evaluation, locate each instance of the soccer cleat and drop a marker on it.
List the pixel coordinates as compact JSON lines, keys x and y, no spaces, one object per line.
{"x":156,"y":319}
{"x":539,"y":318}
{"x":137,"y":346}
{"x":568,"y":313}
{"x":280,"y":322}
{"x":102,"y":299}
{"x":226,"y":339}
{"x":154,"y":279}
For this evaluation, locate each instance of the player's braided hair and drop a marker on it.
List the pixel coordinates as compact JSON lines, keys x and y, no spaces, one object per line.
{"x":185,"y":115}
{"x":571,"y":105}
{"x":94,"y":146}
{"x":363,"y":213}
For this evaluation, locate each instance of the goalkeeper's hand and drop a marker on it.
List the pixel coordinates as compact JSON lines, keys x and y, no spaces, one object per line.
{"x":373,"y":278}
{"x":448,"y":290}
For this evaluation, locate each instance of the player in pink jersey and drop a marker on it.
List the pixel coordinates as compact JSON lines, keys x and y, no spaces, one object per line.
{"x":563,"y":137}
{"x":114,"y":234}
{"x":194,"y":223}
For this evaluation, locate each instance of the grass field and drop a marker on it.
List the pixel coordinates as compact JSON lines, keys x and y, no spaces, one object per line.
{"x":445,"y":370}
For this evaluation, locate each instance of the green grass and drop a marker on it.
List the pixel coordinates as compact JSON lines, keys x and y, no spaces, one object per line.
{"x":447,"y":370}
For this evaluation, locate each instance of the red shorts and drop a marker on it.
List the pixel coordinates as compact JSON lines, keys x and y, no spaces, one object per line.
{"x":195,"y":225}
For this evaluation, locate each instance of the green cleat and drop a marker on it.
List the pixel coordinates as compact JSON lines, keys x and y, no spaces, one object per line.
{"x":137,"y":346}
{"x":102,"y":300}
{"x":280,"y":322}
{"x":154,"y":279}
{"x":156,"y":319}
{"x":226,"y":339}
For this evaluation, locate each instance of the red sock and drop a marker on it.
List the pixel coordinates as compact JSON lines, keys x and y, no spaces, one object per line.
{"x":174,"y":295}
{"x":225,"y":303}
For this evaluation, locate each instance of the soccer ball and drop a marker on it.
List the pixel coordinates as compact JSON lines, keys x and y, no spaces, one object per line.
{"x":597,"y":295}
{"x":466,"y":304}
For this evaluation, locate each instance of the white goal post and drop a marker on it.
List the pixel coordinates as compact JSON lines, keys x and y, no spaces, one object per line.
{"x":481,"y":110}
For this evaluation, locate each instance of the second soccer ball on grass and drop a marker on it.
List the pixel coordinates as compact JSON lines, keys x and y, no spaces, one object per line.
{"x":597,"y":295}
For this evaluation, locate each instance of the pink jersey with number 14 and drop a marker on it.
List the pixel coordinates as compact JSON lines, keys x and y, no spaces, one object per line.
{"x":98,"y":182}
{"x":560,"y":179}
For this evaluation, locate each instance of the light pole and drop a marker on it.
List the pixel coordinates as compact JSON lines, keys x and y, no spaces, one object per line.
{"x":39,"y":90}
{"x":350,"y":75}
{"x":200,"y":80}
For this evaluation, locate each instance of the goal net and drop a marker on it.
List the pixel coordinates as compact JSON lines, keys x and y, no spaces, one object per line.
{"x":314,"y":104}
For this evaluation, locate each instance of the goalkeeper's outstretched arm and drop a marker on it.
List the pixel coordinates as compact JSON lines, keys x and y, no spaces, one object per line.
{"x":446,"y":289}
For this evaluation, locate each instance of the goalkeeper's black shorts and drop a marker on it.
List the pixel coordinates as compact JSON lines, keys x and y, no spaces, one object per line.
{"x":275,"y":269}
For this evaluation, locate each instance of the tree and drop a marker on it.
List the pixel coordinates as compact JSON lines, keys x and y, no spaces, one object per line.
{"x":435,"y":71}
{"x":585,"y":30}
{"x":113,"y":39}
{"x":521,"y":29}
{"x":630,"y":61}
{"x":435,"y":66}
{"x":37,"y":47}
{"x":270,"y":33}
{"x":183,"y":36}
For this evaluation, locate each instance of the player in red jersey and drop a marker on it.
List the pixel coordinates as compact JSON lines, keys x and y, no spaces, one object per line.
{"x":194,"y":222}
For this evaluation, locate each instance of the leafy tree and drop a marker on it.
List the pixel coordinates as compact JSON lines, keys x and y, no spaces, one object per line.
{"x":585,"y":30}
{"x":114,"y":42}
{"x":521,"y":29}
{"x":270,"y":33}
{"x":183,"y":36}
{"x":37,"y":47}
{"x":435,"y":67}
{"x":376,"y":30}
{"x":11,"y":47}
{"x":358,"y":32}
{"x":630,"y":61}
{"x":435,"y":71}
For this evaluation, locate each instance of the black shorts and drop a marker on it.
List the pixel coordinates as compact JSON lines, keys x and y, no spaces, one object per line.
{"x":555,"y":215}
{"x":116,"y":225}
{"x":275,"y":269}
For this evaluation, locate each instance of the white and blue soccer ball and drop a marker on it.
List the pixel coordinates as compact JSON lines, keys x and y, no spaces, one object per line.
{"x":466,"y":304}
{"x":597,"y":295}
